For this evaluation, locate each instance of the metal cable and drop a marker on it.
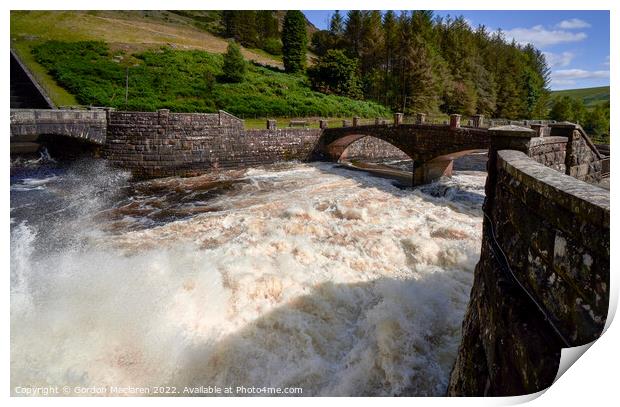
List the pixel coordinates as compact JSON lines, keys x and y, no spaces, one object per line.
{"x":506,"y":265}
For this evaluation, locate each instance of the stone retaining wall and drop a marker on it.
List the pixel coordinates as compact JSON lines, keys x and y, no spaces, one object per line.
{"x":583,"y":161}
{"x":166,"y":144}
{"x":552,"y":231}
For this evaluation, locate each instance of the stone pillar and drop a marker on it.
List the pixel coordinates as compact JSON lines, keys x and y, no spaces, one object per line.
{"x":398,"y":119}
{"x":271,"y":124}
{"x":346,"y":123}
{"x":162,"y":116}
{"x":420,"y":118}
{"x":107,"y":113}
{"x":504,"y":138}
{"x":356,"y":121}
{"x":478,"y":120}
{"x":323,"y":124}
{"x":563,"y":129}
{"x":455,"y":121}
{"x":538,"y":128}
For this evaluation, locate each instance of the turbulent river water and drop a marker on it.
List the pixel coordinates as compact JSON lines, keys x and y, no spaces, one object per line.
{"x":293,"y":275}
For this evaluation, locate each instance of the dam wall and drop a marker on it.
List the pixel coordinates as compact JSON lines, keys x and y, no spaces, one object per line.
{"x":542,"y":281}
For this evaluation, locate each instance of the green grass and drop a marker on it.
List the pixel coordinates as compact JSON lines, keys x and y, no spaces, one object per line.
{"x":590,"y":96}
{"x":185,"y":81}
{"x":131,"y":31}
{"x":57,"y":93}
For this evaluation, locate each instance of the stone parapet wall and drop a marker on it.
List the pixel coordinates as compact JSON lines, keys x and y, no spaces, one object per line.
{"x":549,"y":151}
{"x":546,"y":235}
{"x":583,"y":160}
{"x":167,"y":144}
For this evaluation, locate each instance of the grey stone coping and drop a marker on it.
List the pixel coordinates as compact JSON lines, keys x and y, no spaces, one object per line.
{"x":512,"y":131}
{"x":582,"y":199}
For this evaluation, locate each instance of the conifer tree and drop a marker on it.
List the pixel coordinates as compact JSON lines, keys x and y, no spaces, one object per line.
{"x":234,"y":65}
{"x":294,"y":41}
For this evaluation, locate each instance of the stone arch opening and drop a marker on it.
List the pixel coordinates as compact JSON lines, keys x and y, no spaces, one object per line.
{"x":372,"y":148}
{"x":65,"y":147}
{"x":346,"y":147}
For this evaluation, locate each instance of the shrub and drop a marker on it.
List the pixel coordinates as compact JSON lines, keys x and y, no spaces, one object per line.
{"x":273,"y":46}
{"x":234,"y":65}
{"x":336,"y":73}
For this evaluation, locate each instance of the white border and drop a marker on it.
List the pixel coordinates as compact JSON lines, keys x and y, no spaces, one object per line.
{"x":592,"y":380}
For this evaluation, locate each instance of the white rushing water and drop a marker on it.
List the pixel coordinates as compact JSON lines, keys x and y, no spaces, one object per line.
{"x":304,"y":275}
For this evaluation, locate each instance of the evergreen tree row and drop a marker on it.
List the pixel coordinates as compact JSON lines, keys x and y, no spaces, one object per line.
{"x":253,"y":28}
{"x":416,"y":61}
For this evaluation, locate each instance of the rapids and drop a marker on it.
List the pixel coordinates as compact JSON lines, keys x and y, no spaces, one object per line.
{"x":305,"y":275}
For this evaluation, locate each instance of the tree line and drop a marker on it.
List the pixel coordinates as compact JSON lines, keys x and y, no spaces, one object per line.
{"x":413,"y":61}
{"x":417,"y":61}
{"x":595,"y":121}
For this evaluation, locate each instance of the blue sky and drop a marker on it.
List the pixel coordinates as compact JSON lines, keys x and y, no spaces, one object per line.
{"x":576,"y":43}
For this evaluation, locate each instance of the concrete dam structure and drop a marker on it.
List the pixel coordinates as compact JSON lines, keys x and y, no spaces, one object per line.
{"x":542,"y":281}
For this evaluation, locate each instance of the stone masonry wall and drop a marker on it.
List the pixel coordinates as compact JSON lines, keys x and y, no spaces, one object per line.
{"x":583,"y":160}
{"x":552,"y":231}
{"x":86,"y":125}
{"x":159,"y":144}
{"x":165,"y":144}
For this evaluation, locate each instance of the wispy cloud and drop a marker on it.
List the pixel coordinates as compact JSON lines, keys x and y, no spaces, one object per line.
{"x":606,"y":63}
{"x":563,"y":82}
{"x":573,"y":24}
{"x":568,"y":74}
{"x":540,"y":36}
{"x":560,"y":59}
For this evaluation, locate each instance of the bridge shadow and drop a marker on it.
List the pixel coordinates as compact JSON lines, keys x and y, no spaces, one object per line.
{"x":383,"y":337}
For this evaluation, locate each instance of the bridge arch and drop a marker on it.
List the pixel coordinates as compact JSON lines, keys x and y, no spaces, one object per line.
{"x":349,"y":147}
{"x":432,"y":148}
{"x":65,"y":133}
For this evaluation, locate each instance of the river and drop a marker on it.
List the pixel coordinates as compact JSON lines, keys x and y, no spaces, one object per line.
{"x":298,"y":274}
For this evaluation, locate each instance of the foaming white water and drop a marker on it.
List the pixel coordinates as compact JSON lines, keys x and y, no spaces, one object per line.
{"x":308,"y":276}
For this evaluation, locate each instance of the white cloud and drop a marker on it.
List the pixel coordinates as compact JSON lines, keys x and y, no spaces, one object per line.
{"x":573,"y":24}
{"x":562,"y":59}
{"x":540,"y":37}
{"x":571,"y":74}
{"x":606,"y":63}
{"x":563,"y":82}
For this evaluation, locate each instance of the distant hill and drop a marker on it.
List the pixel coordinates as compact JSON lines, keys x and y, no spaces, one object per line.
{"x":590,"y":96}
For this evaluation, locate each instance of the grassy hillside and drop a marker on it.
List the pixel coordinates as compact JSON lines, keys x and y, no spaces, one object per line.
{"x":590,"y":96}
{"x":185,"y":81}
{"x":80,"y":58}
{"x":126,"y":31}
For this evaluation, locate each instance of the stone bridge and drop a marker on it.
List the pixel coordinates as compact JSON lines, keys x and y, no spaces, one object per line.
{"x":431,"y":147}
{"x":30,"y":126}
{"x":156,"y":144}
